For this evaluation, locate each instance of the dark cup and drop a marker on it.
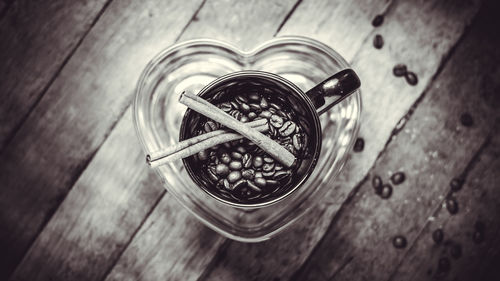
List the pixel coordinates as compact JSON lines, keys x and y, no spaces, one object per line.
{"x":306,"y":106}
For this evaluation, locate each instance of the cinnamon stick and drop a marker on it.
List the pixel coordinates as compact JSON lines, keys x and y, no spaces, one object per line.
{"x":209,"y":110}
{"x":199,"y":143}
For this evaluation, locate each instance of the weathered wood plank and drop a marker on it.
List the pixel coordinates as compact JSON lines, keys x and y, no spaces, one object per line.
{"x":37,"y":39}
{"x":432,"y":148}
{"x":76,"y":114}
{"x":84,"y":237}
{"x":280,"y":257}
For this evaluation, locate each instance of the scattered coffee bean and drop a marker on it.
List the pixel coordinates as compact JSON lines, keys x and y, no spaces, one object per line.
{"x":276,"y":121}
{"x":236,"y":155}
{"x":244,"y":107}
{"x":222,"y":170}
{"x":398,"y":178}
{"x":239,"y":185}
{"x":234,"y":176}
{"x":278,"y":167}
{"x":478,"y":236}
{"x":359,"y":145}
{"x":258,"y":174}
{"x":268,"y":174}
{"x":399,"y":242}
{"x":254,"y":97}
{"x":263,"y":103}
{"x":377,"y":184}
{"x":225,"y":158}
{"x":378,"y":20}
{"x":254,"y":187}
{"x":268,"y":159}
{"x":452,"y":205}
{"x":297,"y":142}
{"x":265,"y":114}
{"x":258,"y":162}
{"x":438,"y":236}
{"x":466,"y":119}
{"x":248,"y":174}
{"x":272,"y":182}
{"x":226,"y":107}
{"x":234,"y":105}
{"x":378,"y":41}
{"x":399,"y":70}
{"x":456,"y":184}
{"x":212,"y":174}
{"x":268,"y":167}
{"x":241,"y":150}
{"x":260,"y":182}
{"x":444,"y":264}
{"x":244,"y":119}
{"x":241,"y":99}
{"x":287,"y":129}
{"x":247,"y":160}
{"x":235,"y":165}
{"x":280,"y":175}
{"x":386,"y":191}
{"x":252,"y":115}
{"x":275,"y":106}
{"x":227,"y":185}
{"x":456,"y":250}
{"x":272,"y":110}
{"x":411,"y":78}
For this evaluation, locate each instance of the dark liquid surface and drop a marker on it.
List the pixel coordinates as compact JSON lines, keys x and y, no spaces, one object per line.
{"x":239,"y":171}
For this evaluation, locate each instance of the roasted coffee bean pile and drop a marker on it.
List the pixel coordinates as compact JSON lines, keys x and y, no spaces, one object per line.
{"x":241,"y":170}
{"x":385,"y":190}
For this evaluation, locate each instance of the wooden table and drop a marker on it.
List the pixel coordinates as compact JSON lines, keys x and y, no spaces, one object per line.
{"x":77,"y":201}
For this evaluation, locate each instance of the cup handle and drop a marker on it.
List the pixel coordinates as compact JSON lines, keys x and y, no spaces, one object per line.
{"x":334,"y":89}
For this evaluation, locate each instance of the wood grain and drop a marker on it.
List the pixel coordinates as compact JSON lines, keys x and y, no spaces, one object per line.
{"x":87,"y":240}
{"x":380,"y":92}
{"x":37,"y":39}
{"x":76,"y":114}
{"x":358,"y":243}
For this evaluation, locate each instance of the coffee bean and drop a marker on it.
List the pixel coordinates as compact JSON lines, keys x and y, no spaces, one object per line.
{"x":278,"y":167}
{"x":359,"y":145}
{"x":444,"y":264}
{"x":226,"y":107}
{"x":235,"y":165}
{"x":281,"y":175}
{"x":227,"y":185}
{"x":275,"y":106}
{"x":282,"y":114}
{"x":438,"y":235}
{"x":478,"y":236}
{"x":212,"y":174}
{"x":210,"y":126}
{"x":247,"y":160}
{"x":244,"y":119}
{"x":266,"y":114}
{"x":378,"y":20}
{"x":466,"y":119}
{"x":258,"y":174}
{"x":254,"y":96}
{"x":399,"y":242}
{"x":222,"y":170}
{"x":377,"y":184}
{"x":234,"y":176}
{"x":241,"y":149}
{"x":272,"y":182}
{"x":386,"y":191}
{"x":252,"y":115}
{"x":272,"y":130}
{"x":203,"y":155}
{"x":398,"y":178}
{"x":244,"y":107}
{"x":225,"y":158}
{"x":260,"y":182}
{"x":241,"y":99}
{"x":399,"y":70}
{"x":287,"y":129}
{"x":268,"y":167}
{"x":258,"y":162}
{"x":378,"y":41}
{"x":236,"y":155}
{"x":254,"y":187}
{"x":411,"y":78}
{"x":268,"y":159}
{"x":297,"y":141}
{"x":248,"y":174}
{"x":234,"y":105}
{"x":452,"y":205}
{"x":268,"y":174}
{"x":272,"y":110}
{"x":276,"y":121}
{"x":456,"y":250}
{"x":263,"y":103}
{"x":456,"y":184}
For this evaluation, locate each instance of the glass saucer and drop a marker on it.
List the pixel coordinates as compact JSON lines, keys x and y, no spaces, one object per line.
{"x":189,"y":66}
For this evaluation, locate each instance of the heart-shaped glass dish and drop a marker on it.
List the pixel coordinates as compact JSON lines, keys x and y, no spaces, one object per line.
{"x":191,"y":65}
